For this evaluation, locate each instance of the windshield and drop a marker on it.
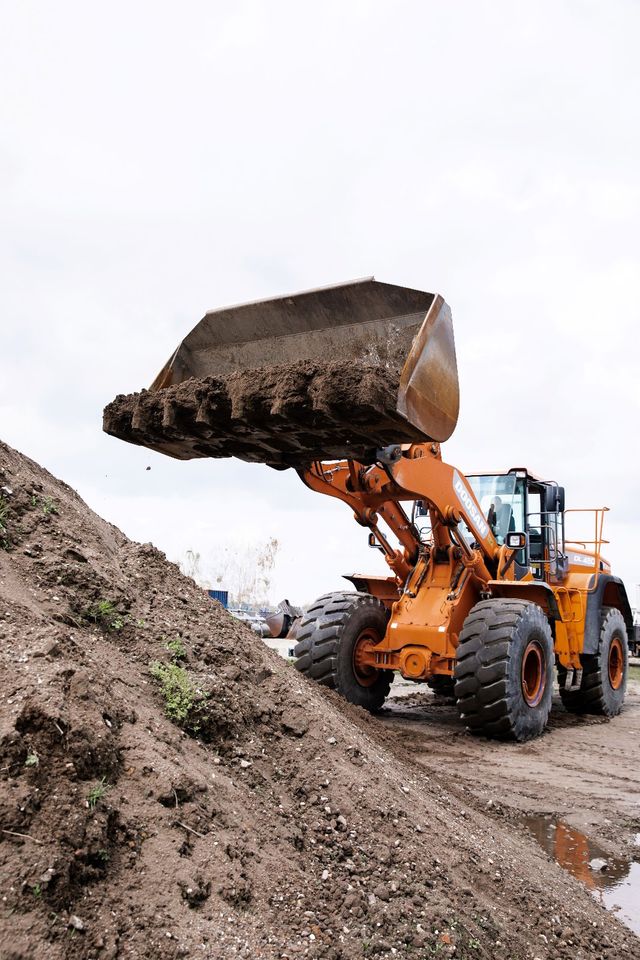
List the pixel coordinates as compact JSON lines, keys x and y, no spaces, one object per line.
{"x":501,"y":499}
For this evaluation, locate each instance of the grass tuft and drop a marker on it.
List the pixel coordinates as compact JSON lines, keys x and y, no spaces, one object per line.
{"x":182,"y":701}
{"x":106,"y":613}
{"x":177,"y":649}
{"x":96,"y":793}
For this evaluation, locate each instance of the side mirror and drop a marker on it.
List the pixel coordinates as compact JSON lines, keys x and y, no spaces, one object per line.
{"x":553,"y":499}
{"x":374,"y":543}
{"x":516,"y":541}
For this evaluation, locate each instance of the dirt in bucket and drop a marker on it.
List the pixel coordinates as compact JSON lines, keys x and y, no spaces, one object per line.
{"x":285,"y":415}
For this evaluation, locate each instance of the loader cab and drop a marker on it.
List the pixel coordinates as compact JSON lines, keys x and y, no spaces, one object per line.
{"x":518,"y":502}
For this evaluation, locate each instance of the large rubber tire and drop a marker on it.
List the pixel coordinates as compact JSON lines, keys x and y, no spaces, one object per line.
{"x":327,"y":638}
{"x":504,"y":670}
{"x":604,"y":677}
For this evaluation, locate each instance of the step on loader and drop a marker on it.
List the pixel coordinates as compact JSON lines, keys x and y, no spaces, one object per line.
{"x":355,"y":387}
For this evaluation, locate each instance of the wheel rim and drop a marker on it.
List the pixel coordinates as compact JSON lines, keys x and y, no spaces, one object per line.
{"x":365,"y":674}
{"x":533,"y":673}
{"x":616,"y":663}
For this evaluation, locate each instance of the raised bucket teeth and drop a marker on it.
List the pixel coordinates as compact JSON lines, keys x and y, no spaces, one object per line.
{"x":331,"y":373}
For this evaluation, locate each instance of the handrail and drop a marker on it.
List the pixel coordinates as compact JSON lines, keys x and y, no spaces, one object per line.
{"x":599,"y":540}
{"x":553,"y":550}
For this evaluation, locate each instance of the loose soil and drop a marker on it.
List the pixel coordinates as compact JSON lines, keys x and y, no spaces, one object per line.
{"x":284,"y":415}
{"x":585,"y":769}
{"x":289,"y":824}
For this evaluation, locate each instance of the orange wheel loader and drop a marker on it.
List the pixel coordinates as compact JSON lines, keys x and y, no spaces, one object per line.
{"x":355,"y":386}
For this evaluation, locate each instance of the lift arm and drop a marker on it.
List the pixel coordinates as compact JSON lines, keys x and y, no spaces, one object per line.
{"x":411,"y":472}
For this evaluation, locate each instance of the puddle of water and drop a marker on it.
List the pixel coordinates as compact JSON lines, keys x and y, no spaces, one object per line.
{"x":617,"y":887}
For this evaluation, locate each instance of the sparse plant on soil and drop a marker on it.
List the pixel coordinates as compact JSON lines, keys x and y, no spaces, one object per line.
{"x":176,"y":648}
{"x":49,"y":506}
{"x":106,"y":613}
{"x":96,"y":793}
{"x":103,"y":610}
{"x":181,"y":697}
{"x":32,"y":760}
{"x":36,"y":889}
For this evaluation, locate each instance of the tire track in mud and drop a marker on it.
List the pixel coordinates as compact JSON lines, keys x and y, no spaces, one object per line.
{"x":585,"y":769}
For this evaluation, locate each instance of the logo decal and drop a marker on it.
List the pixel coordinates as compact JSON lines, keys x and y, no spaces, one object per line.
{"x":462,"y":492}
{"x":582,"y":560}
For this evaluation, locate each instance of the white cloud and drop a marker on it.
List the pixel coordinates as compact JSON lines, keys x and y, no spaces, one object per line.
{"x":158,"y":161}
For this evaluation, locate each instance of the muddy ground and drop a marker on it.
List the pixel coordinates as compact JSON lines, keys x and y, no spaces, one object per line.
{"x":285,"y":415}
{"x":586,"y":770}
{"x":170,"y":787}
{"x":575,"y":792}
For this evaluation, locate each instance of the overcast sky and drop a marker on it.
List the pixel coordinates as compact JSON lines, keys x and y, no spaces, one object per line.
{"x":161,"y":159}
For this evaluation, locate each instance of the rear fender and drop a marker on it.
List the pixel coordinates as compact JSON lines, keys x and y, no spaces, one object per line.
{"x":609,"y":592}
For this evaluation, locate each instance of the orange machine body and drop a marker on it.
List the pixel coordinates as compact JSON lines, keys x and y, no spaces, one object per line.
{"x":437,"y":579}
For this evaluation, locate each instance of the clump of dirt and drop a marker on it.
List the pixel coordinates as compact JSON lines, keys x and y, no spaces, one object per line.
{"x":286,"y":415}
{"x":170,"y":787}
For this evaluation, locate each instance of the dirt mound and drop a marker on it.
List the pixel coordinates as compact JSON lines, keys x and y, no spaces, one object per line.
{"x":285,"y":415}
{"x":169,"y":787}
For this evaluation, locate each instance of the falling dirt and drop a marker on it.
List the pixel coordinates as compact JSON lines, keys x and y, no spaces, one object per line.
{"x":284,"y":415}
{"x":264,"y":818}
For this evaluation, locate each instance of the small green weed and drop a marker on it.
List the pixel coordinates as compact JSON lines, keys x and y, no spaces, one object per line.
{"x":36,"y":889}
{"x":176,"y":649}
{"x":103,"y":610}
{"x":103,"y":855}
{"x":181,"y":698}
{"x":96,"y":793}
{"x":49,"y":506}
{"x":32,"y":760}
{"x":106,"y":613}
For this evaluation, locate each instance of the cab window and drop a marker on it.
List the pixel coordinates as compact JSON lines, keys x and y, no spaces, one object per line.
{"x":501,"y":499}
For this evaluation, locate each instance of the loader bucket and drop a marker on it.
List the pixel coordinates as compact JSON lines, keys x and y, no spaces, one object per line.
{"x":329,"y":373}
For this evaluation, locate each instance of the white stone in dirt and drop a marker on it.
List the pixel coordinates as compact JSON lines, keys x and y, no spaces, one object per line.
{"x":598,"y":864}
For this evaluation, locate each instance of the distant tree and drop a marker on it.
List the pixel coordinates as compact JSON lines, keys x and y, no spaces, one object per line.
{"x":190,"y":566}
{"x":244,"y":569}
